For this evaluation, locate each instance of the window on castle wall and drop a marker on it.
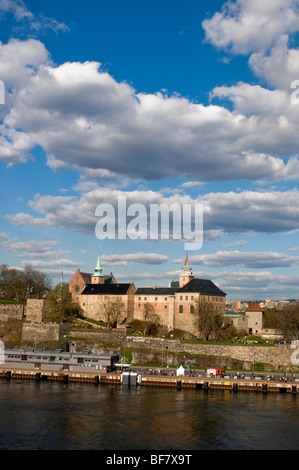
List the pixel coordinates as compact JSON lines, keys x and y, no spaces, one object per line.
{"x":191,"y":308}
{"x":180,"y":309}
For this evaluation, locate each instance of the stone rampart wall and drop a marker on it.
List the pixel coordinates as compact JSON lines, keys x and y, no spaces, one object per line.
{"x":36,"y":310}
{"x":277,"y":356}
{"x":37,"y":333}
{"x":11,"y":311}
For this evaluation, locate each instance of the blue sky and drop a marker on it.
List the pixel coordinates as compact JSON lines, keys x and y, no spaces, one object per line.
{"x":161,"y":102}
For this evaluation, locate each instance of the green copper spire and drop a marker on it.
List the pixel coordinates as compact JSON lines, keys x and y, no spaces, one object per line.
{"x":98,"y":270}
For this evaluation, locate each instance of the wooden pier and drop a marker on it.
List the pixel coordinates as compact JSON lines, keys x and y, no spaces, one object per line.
{"x":131,"y":379}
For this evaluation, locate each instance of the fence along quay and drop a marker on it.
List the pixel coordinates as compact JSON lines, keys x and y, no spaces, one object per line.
{"x":105,"y":369}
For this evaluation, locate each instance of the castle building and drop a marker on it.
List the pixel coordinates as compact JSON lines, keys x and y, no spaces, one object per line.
{"x":112,"y":303}
{"x":101,"y":297}
{"x":186,"y":273}
{"x":77,"y":283}
{"x":81,"y":280}
{"x":175,"y":307}
{"x":255,"y":319}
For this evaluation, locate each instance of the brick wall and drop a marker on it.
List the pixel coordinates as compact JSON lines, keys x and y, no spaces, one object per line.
{"x":76,"y":284}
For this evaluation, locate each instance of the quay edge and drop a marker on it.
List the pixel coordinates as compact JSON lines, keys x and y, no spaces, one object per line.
{"x":134,"y":380}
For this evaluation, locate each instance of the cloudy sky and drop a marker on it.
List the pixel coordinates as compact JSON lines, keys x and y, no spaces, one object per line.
{"x":152,"y":102}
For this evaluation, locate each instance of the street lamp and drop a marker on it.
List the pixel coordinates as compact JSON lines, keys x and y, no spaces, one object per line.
{"x":166,"y":347}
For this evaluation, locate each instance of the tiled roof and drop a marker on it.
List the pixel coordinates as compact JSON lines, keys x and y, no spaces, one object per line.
{"x":202,"y":286}
{"x":156,"y":290}
{"x":86,"y":277}
{"x":100,"y":289}
{"x":254,"y":307}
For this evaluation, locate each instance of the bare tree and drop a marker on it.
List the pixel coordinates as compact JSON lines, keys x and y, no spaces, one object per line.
{"x":4,"y":274}
{"x":207,"y":319}
{"x":113,"y":310}
{"x":151,"y":319}
{"x":38,"y":283}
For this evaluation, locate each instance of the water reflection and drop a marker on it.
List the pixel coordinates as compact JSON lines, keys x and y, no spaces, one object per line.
{"x":81,"y":416}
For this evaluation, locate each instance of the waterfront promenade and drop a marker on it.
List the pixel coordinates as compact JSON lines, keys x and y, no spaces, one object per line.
{"x":163,"y":378}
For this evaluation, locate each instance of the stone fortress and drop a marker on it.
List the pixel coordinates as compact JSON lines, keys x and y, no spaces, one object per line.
{"x":173,"y":306}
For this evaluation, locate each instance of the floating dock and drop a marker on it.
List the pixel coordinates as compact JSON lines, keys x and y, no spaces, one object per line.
{"x":133,"y":379}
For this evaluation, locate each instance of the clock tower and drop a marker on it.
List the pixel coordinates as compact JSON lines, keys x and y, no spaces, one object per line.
{"x":186,"y":274}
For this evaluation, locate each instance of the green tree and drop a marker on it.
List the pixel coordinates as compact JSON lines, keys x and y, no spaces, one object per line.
{"x":271,"y":318}
{"x":19,"y":285}
{"x":288,"y":321}
{"x":60,"y":305}
{"x":15,"y":287}
{"x":127,"y":355}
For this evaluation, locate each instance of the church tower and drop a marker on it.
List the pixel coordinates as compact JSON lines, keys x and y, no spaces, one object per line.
{"x":186,"y":274}
{"x":97,"y":277}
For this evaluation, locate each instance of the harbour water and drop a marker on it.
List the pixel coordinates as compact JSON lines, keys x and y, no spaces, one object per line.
{"x":57,"y":416}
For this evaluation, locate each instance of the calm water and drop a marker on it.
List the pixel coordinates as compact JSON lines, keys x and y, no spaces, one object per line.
{"x":55,"y":416}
